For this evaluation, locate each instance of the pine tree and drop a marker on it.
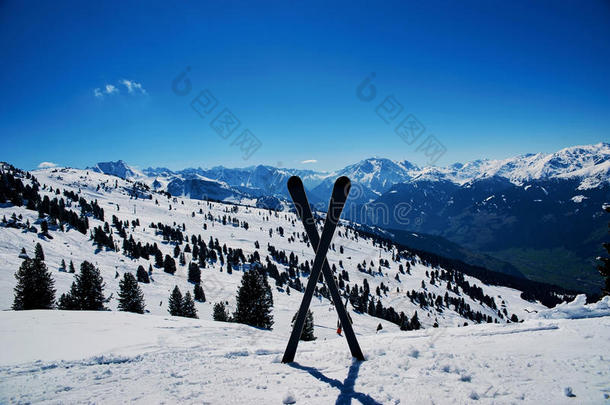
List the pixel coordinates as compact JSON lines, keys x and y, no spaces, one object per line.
{"x":220,"y":312}
{"x":38,"y":252}
{"x":188,"y":306}
{"x":131,"y":298}
{"x":169,"y":265}
{"x":72,"y":270}
{"x":158,"y":258}
{"x":34,"y":288}
{"x":415,"y":324}
{"x":254,"y":301}
{"x":142,"y":275}
{"x":307,"y":332}
{"x":175,"y":302}
{"x":86,"y":292}
{"x":198,"y":293}
{"x":194,"y":275}
{"x":604,"y":268}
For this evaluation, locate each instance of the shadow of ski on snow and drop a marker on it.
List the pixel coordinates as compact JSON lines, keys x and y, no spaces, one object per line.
{"x":346,"y":387}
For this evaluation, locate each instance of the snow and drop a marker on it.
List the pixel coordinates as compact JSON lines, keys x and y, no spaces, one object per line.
{"x":578,"y":199}
{"x":578,"y":309}
{"x":112,"y":357}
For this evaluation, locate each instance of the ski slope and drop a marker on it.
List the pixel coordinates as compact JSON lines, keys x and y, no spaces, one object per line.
{"x":113,"y":357}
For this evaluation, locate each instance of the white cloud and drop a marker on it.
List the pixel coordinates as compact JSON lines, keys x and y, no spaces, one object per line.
{"x":133,"y":86}
{"x":111,"y":89}
{"x":123,"y":86}
{"x":309,"y":161}
{"x":46,"y":165}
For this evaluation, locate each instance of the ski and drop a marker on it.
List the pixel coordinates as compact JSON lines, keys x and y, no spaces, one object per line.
{"x":320,"y":246}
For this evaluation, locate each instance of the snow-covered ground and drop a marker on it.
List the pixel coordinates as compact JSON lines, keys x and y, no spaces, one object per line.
{"x":112,"y":357}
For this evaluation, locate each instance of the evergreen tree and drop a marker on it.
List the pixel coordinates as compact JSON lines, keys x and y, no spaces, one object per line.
{"x":169,"y":265}
{"x":194,"y":275}
{"x":220,"y":312}
{"x":72,"y":270}
{"x":142,"y":275}
{"x":254,"y":301}
{"x":415,"y":324}
{"x":188,"y":306}
{"x":38,"y":252}
{"x":175,"y":302}
{"x":604,"y":268}
{"x":307,"y":332}
{"x":86,"y":292}
{"x":34,"y":288}
{"x":158,"y":258}
{"x":198,"y":293}
{"x":131,"y":298}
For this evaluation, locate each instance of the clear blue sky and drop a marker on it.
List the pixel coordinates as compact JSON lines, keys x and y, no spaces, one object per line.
{"x":489,"y":79}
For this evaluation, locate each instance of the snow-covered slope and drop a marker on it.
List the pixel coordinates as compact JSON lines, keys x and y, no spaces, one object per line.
{"x":112,"y":357}
{"x":115,"y":197}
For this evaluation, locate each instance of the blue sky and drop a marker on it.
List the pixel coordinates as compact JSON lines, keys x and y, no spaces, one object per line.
{"x":487,"y":79}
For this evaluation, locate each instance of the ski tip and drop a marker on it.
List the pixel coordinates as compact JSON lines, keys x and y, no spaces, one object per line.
{"x":344,"y":183}
{"x":294,"y":181}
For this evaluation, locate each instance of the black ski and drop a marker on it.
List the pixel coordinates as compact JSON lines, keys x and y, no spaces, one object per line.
{"x":320,"y":245}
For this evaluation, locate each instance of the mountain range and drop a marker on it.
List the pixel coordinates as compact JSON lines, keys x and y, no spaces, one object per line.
{"x":538,"y":215}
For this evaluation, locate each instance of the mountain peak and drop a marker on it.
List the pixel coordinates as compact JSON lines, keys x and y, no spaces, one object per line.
{"x":118,"y":168}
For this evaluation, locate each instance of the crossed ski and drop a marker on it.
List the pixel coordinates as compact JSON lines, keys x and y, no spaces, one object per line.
{"x":320,"y":246}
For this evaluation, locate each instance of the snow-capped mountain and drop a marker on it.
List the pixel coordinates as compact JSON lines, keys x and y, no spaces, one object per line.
{"x":589,"y":163}
{"x":582,"y":162}
{"x":488,"y":206}
{"x":118,"y":169}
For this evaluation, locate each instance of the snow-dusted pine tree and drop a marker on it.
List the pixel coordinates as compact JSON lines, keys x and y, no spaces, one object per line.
{"x":220,"y":312}
{"x":307,"y":332}
{"x":131,"y":298}
{"x":34,"y":288}
{"x":175,"y":302}
{"x":198,"y":293}
{"x":142,"y":275}
{"x":188,"y":306}
{"x":194,"y":275}
{"x":254,"y":301}
{"x":86,"y":292}
{"x":38,"y":252}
